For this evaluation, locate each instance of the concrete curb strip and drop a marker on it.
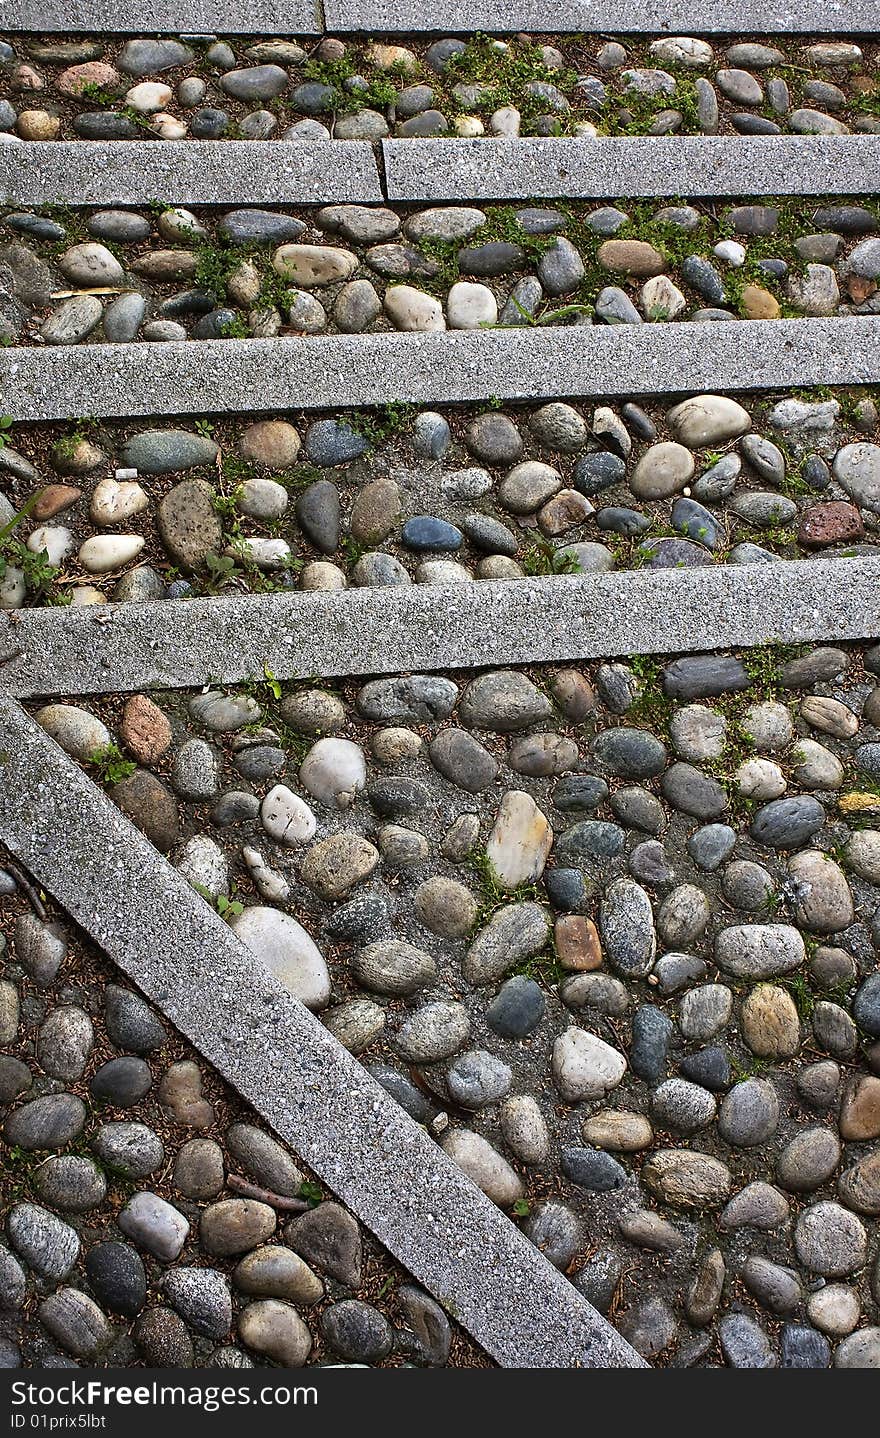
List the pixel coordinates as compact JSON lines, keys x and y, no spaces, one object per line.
{"x":198,"y":172}
{"x":677,"y":17}
{"x":303,"y":17}
{"x":166,"y":17}
{"x":652,"y":166}
{"x":112,"y":881}
{"x":238,"y":376}
{"x":125,"y":647}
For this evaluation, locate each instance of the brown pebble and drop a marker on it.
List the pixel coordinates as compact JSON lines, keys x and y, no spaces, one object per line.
{"x":834,"y":522}
{"x":144,"y":730}
{"x":577,"y":943}
{"x":37,"y":125}
{"x":759,"y":304}
{"x":860,"y":1110}
{"x":54,"y":498}
{"x":25,"y":77}
{"x":564,"y":511}
{"x":574,"y":694}
{"x":150,"y":806}
{"x":181,"y":1092}
{"x":860,"y":288}
{"x":632,"y":257}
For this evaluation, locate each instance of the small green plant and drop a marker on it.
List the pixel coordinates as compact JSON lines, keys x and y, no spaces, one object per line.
{"x":544,"y":968}
{"x":95,"y":94}
{"x":384,"y":423}
{"x":111,"y":764}
{"x":804,"y":999}
{"x":78,"y":431}
{"x":543,"y":558}
{"x":37,"y":573}
{"x":5,"y":427}
{"x":234,"y":329}
{"x":311,"y":1192}
{"x":220,"y":570}
{"x":651,"y":703}
{"x":765,"y":663}
{"x":491,"y":890}
{"x":272,"y":683}
{"x":521,"y":1208}
{"x":214,"y":264}
{"x":751,"y":1067}
{"x":228,"y":907}
{"x":352,"y":551}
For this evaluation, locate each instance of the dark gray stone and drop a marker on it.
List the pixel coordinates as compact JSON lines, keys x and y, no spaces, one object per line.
{"x":517,"y":1008}
{"x":593,"y":1169}
{"x":651,"y":1035}
{"x":118,"y":1278}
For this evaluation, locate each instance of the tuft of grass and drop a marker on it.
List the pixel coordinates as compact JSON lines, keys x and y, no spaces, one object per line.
{"x":542,"y":557}
{"x":386,"y":422}
{"x":764,"y":664}
{"x":491,"y":892}
{"x":801,"y":993}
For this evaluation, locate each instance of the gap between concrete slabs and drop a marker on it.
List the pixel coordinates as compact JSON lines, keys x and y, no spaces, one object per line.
{"x":181,"y":643}
{"x":457,"y":366}
{"x":191,"y":172}
{"x":654,"y":166}
{"x":282,"y":1060}
{"x":649,"y":17}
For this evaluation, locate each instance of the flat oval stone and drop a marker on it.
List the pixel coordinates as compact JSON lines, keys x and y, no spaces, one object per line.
{"x":287,"y":951}
{"x":286,"y":817}
{"x":166,"y":451}
{"x":427,"y":533}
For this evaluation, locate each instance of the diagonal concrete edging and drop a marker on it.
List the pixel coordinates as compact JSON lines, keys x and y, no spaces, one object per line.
{"x":676,"y":17}
{"x":191,"y":172}
{"x":114,"y":884}
{"x":619,"y":166}
{"x":123,"y":17}
{"x":182,"y":643}
{"x":459,"y":366}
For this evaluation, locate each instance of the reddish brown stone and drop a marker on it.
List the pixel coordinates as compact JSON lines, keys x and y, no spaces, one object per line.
{"x":145,"y":731}
{"x":54,"y":498}
{"x":859,"y":288}
{"x":564,"y":511}
{"x":835,"y":522}
{"x":92,"y":72}
{"x":25,"y":77}
{"x":181,"y":1092}
{"x":577,"y":943}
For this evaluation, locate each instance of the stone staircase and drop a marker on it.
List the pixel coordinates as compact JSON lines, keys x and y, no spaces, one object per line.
{"x":441,"y":489}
